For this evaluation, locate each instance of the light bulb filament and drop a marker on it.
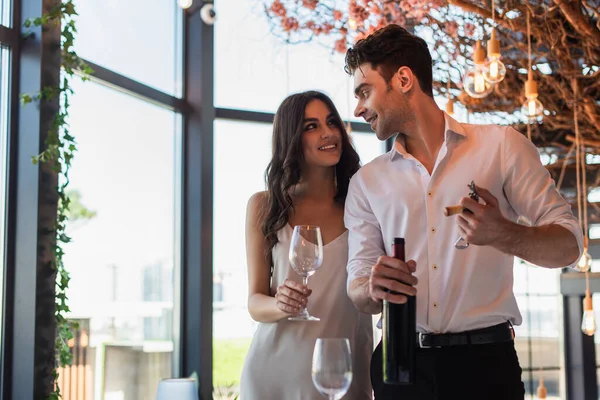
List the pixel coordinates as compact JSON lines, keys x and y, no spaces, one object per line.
{"x":494,"y":69}
{"x":479,"y":83}
{"x":531,"y":106}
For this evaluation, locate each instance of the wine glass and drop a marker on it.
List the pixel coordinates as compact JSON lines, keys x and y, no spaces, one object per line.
{"x":306,"y":256}
{"x":332,"y":367}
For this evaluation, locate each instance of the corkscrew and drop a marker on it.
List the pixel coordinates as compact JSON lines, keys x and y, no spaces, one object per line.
{"x":461,"y":243}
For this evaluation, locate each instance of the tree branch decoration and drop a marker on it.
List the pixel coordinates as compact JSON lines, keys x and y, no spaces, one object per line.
{"x":565,"y":37}
{"x":58,"y":153}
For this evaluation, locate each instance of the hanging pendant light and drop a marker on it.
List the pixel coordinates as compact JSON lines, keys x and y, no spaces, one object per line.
{"x":585,"y":261}
{"x":494,"y":70}
{"x":474,"y":82}
{"x":588,"y":321}
{"x":532,"y":108}
{"x":541,"y":390}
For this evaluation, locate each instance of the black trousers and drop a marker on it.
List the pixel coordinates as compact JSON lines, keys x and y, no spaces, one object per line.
{"x":469,"y":372}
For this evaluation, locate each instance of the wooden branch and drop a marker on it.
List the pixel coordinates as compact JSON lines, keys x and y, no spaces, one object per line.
{"x":485,"y":13}
{"x":578,"y":21}
{"x":585,"y":142}
{"x":591,"y":111}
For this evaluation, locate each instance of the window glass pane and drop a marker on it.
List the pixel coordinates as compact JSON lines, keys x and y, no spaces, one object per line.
{"x":4,"y":129}
{"x":236,"y":178}
{"x":367,"y":145}
{"x":553,"y":381}
{"x":255,"y":70}
{"x":532,"y":279}
{"x":122,"y":258}
{"x":136,"y":38}
{"x":6,"y":12}
{"x":538,"y":340}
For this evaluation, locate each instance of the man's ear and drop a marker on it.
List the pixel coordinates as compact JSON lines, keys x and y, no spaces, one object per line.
{"x":405,"y":79}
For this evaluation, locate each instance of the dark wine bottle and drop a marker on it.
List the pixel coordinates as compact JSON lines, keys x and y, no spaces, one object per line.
{"x":399,"y":334}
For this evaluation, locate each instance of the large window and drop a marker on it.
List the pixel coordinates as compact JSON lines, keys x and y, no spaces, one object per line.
{"x":122,"y":258}
{"x":255,"y":70}
{"x":242,"y":152}
{"x":539,"y":339}
{"x":136,"y":38}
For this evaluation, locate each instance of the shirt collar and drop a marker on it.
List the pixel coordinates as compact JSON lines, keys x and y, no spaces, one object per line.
{"x":451,"y":127}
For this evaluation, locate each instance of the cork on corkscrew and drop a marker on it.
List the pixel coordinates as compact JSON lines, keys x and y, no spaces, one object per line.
{"x":457,"y":209}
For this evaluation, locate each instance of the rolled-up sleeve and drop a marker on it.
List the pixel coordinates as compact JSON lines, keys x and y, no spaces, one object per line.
{"x":365,"y":242}
{"x":530,"y":189}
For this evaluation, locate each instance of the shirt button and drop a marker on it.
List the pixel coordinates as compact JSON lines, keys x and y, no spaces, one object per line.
{"x":434,"y":266}
{"x":434,"y":305}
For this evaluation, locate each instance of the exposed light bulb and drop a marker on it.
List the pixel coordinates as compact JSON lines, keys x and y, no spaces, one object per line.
{"x":185,"y":3}
{"x":352,"y":24}
{"x":474,"y":82}
{"x":479,"y":83}
{"x":588,"y":324}
{"x":494,"y":70}
{"x":532,"y":107}
{"x":588,"y":321}
{"x":585,"y":262}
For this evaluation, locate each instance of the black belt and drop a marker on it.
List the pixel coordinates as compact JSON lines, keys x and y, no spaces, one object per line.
{"x":494,"y":334}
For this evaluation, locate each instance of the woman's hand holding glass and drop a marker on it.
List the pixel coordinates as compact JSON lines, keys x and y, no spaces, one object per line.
{"x":292,"y":297}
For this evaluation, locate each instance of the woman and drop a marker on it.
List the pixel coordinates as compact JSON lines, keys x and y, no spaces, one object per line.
{"x":307,"y":181}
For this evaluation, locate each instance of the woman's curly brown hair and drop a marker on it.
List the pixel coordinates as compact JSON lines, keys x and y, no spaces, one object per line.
{"x":283,"y":171}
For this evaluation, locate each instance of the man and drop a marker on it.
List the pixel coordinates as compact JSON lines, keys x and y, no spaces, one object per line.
{"x":465,"y":302}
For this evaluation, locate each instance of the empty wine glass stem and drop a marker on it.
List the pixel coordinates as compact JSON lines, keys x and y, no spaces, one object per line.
{"x":304,"y":312}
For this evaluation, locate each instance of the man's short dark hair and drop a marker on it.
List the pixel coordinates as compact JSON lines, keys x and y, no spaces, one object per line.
{"x":390,"y":48}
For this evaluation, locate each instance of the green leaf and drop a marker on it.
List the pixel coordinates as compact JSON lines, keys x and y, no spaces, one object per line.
{"x":59,"y":149}
{"x":25,"y":99}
